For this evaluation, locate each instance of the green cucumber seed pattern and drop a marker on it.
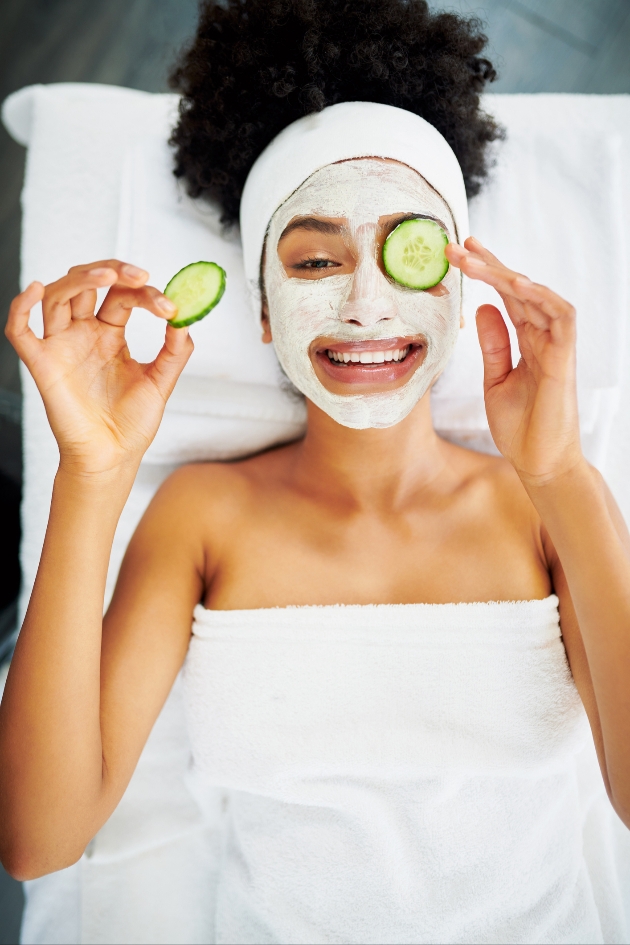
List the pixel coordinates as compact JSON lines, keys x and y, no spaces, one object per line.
{"x":195,"y":289}
{"x":413,"y":254}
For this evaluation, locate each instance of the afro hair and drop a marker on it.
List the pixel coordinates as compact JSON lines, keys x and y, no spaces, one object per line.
{"x":255,"y":66}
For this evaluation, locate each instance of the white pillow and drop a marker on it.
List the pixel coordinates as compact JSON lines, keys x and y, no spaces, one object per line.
{"x":230,"y":399}
{"x":554,"y":203}
{"x":99,"y":183}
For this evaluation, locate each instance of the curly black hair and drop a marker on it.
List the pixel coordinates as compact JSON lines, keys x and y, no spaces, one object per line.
{"x":255,"y":66}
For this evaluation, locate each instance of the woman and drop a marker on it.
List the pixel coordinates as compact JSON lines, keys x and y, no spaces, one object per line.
{"x":388,"y":763}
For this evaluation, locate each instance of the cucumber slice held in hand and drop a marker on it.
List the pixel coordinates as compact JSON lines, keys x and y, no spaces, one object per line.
{"x":413,"y":254}
{"x":195,"y":290}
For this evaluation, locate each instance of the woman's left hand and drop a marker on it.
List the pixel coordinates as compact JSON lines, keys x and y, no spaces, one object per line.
{"x":531,"y":408}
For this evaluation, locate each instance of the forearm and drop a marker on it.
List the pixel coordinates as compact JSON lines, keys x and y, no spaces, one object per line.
{"x":596,"y":564}
{"x":51,"y":771}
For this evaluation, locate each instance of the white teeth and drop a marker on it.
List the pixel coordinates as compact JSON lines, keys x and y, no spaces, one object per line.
{"x":400,"y":353}
{"x":368,"y":357}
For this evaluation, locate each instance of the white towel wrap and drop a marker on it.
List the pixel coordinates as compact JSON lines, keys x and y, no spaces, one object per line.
{"x":394,"y":774}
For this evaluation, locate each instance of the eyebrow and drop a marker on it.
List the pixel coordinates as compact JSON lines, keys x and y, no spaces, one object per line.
{"x":312,"y":223}
{"x":334,"y":229}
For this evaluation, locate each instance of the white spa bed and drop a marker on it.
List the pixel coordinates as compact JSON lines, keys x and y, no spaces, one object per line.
{"x":98,"y":184}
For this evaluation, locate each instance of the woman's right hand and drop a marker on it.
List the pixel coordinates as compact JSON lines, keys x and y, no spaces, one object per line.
{"x":104,"y":408}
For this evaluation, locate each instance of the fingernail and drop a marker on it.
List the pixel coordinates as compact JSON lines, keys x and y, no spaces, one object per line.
{"x":99,"y":272}
{"x":166,"y":305}
{"x":133,"y":272}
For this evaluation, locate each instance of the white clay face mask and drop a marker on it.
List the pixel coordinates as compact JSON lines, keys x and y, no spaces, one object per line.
{"x":364,"y":305}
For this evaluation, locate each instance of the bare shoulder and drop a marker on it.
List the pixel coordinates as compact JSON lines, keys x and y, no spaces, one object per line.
{"x":218,"y":491}
{"x":186,"y":527}
{"x":492,"y":478}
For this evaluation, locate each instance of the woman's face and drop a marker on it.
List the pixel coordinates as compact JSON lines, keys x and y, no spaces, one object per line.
{"x":359,"y":345}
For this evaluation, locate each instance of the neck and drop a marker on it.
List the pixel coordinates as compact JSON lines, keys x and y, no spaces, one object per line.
{"x":369,"y":468}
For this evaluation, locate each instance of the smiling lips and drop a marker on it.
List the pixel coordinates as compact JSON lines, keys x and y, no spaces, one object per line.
{"x":368,"y":357}
{"x":385,"y":361}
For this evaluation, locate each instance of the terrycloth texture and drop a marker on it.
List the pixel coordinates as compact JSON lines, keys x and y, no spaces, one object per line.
{"x":98,"y":184}
{"x":228,"y":402}
{"x":560,"y":173}
{"x":337,"y":133}
{"x":397,"y":773}
{"x":567,"y":150}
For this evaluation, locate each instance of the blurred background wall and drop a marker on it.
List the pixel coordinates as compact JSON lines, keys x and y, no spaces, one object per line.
{"x":536,"y":45}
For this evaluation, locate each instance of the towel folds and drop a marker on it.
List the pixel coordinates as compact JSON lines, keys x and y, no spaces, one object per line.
{"x":397,"y":774}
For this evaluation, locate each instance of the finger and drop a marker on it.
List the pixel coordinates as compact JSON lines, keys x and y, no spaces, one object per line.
{"x":127,"y":273}
{"x":473,"y":245}
{"x":171,"y":360}
{"x":511,"y":286}
{"x":476,"y":246}
{"x":487,"y":267}
{"x":474,"y":264}
{"x":17,"y":330}
{"x":480,"y":264}
{"x":56,"y":305}
{"x":120,"y":301}
{"x":455,"y":254}
{"x":526,"y":302}
{"x":500,"y":278}
{"x":553,"y":305}
{"x":462,"y":258}
{"x":83,"y":305}
{"x":58,"y":308}
{"x":94,"y":276}
{"x":495,"y":346}
{"x":516,"y":279}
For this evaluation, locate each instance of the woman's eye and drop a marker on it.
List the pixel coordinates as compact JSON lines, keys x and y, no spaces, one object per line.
{"x":316,"y":264}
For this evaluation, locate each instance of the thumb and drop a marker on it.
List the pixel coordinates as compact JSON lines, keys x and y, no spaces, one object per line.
{"x":495,"y":346}
{"x":171,"y":360}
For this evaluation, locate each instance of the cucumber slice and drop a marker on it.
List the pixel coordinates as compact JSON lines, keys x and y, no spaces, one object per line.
{"x":195,"y":290}
{"x":413,"y":254}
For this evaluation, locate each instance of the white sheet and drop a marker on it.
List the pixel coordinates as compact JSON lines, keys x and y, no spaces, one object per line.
{"x":97,"y":183}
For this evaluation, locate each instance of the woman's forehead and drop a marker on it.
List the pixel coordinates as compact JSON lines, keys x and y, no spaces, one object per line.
{"x":363,"y":190}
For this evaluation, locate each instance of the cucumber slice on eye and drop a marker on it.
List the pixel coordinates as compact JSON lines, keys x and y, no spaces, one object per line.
{"x":195,"y":290}
{"x":413,"y":254}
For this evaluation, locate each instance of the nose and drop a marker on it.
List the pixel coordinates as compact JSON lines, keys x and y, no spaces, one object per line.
{"x":369,"y":301}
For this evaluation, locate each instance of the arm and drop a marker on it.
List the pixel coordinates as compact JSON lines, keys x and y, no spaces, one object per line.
{"x":533,"y":417}
{"x":590,"y":560}
{"x":64,"y":758}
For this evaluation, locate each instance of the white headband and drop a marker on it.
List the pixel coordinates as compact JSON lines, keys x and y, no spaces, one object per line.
{"x":340,"y":133}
